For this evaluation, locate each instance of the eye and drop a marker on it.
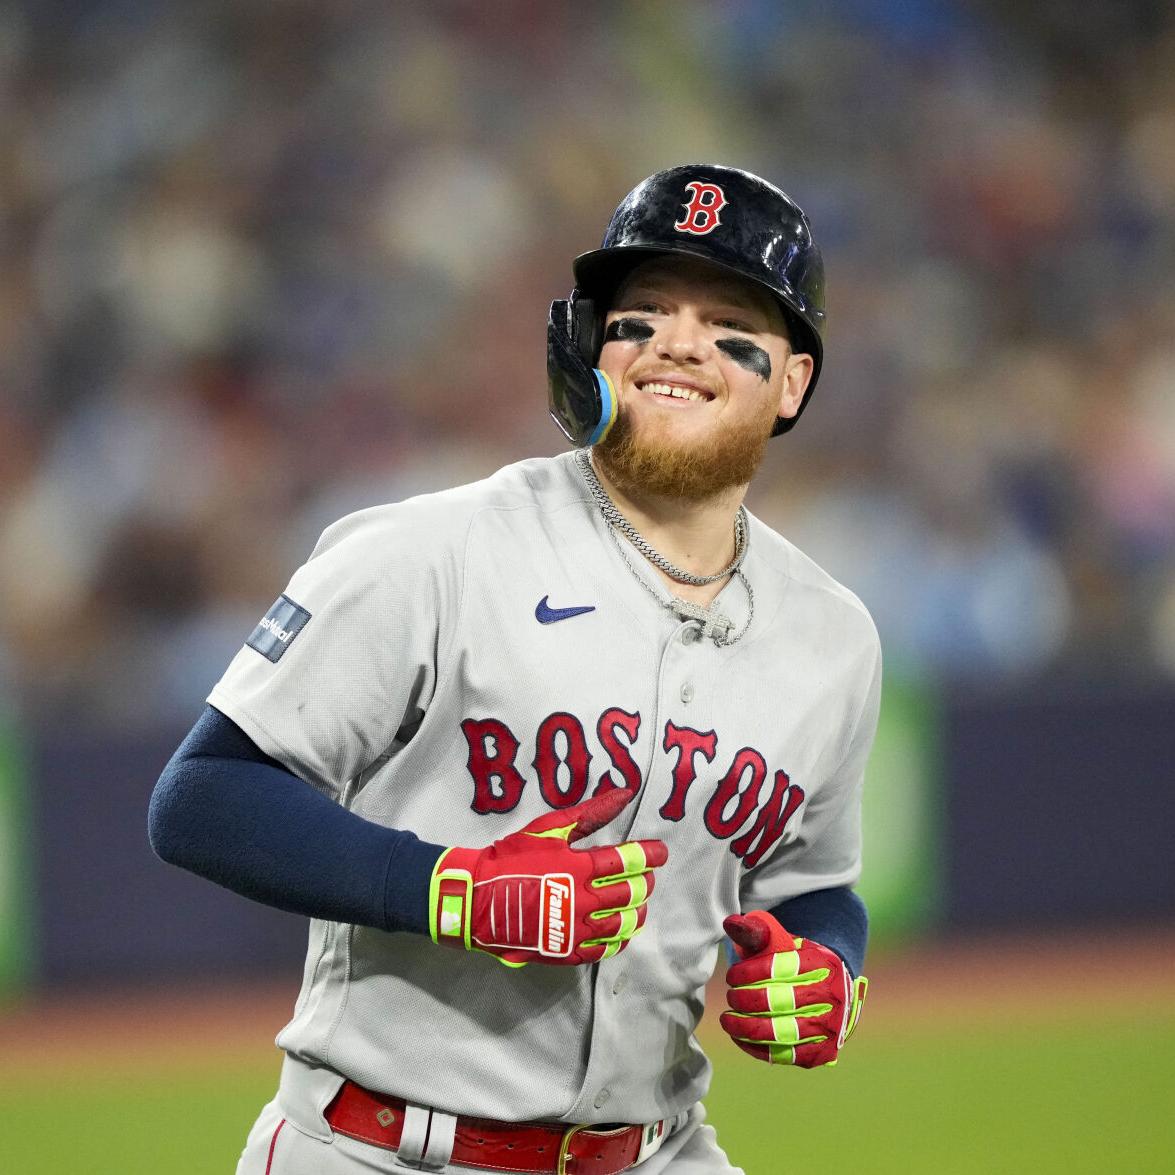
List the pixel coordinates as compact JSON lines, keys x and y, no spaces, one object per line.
{"x":737,"y":324}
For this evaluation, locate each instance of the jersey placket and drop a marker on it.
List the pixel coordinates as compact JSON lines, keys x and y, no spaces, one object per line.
{"x":616,"y":1008}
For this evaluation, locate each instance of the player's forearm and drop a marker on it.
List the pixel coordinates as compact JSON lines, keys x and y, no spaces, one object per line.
{"x":227,"y":812}
{"x":835,"y":918}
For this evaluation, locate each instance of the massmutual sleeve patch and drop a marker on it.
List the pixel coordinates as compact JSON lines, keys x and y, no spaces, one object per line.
{"x":278,"y":627}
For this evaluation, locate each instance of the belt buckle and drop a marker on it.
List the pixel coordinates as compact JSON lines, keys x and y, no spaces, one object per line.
{"x":564,"y":1147}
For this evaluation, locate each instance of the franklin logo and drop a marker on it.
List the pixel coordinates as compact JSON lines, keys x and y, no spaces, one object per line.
{"x":277,"y":628}
{"x":555,"y":914}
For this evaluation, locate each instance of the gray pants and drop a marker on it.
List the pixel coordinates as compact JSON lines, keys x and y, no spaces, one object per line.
{"x":277,"y":1147}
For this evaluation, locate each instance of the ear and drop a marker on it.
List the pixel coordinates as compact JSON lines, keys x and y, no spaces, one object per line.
{"x":797,"y":374}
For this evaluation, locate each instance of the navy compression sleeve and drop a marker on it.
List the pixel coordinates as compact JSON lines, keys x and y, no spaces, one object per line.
{"x":227,"y":811}
{"x":835,"y":918}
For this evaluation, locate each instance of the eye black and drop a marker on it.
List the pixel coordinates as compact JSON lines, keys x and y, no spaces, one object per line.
{"x":628,"y":330}
{"x":747,"y":354}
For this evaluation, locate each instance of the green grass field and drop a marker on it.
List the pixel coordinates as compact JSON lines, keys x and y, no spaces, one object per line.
{"x":1069,"y":1098}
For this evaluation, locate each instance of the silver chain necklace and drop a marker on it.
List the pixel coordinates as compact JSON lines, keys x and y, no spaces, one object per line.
{"x":613,"y":515}
{"x":715,"y":624}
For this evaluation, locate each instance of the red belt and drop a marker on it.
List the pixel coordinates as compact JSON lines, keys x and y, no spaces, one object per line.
{"x":528,"y":1147}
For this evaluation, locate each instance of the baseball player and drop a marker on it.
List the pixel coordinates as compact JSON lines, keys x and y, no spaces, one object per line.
{"x":527,"y":750}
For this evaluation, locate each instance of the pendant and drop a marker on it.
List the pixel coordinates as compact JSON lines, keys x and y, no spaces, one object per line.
{"x":715,"y":624}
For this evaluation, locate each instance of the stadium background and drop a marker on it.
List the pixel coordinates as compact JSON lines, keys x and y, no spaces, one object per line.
{"x":267,"y":262}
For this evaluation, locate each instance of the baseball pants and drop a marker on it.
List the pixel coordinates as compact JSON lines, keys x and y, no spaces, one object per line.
{"x":277,"y":1147}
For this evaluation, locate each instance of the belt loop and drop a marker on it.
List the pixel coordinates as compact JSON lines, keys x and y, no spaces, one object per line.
{"x":426,"y":1142}
{"x":655,"y":1134}
{"x":441,"y":1136}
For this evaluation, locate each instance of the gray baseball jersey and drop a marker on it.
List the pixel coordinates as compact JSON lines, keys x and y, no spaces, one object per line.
{"x":460,"y":663}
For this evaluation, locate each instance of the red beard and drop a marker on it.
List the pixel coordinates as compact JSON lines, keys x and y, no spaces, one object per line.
{"x":694,"y":472}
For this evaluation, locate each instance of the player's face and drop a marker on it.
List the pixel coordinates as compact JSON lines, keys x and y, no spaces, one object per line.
{"x":702,"y":367}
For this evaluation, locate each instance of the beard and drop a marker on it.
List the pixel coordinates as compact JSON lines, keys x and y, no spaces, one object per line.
{"x":693,"y":471}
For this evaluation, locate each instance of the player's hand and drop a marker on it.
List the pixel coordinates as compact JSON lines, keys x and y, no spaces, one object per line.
{"x":792,"y":1001}
{"x":531,"y":898}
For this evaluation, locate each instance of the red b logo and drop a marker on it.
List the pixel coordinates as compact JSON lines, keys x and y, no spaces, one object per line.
{"x":701,"y":213}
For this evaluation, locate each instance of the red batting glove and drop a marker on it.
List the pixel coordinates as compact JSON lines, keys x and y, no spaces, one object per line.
{"x":531,"y":898}
{"x":792,"y":1001}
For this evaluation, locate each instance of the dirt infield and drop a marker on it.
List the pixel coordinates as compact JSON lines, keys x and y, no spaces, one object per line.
{"x":965,"y":981}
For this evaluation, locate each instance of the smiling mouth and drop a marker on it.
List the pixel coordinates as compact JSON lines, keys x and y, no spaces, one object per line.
{"x":668,"y":391}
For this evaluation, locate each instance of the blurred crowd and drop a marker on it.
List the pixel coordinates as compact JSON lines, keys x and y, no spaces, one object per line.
{"x":268,"y":261}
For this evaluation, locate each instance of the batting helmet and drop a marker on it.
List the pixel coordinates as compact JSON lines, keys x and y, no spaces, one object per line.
{"x":731,"y":218}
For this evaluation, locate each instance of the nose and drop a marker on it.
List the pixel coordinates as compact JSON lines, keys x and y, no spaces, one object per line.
{"x":681,"y":339}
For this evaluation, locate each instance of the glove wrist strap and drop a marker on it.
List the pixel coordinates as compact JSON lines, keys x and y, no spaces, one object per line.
{"x":859,"y":990}
{"x":450,"y":898}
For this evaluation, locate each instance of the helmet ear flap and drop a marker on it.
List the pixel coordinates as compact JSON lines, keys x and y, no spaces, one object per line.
{"x":587,"y":327}
{"x":582,"y":399}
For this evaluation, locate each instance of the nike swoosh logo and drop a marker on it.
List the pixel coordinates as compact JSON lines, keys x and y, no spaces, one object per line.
{"x":545,"y":614}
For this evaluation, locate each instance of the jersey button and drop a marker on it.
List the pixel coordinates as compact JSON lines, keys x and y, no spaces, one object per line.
{"x":687,"y":692}
{"x":620,"y":984}
{"x":601,"y":1099}
{"x":689,"y":634}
